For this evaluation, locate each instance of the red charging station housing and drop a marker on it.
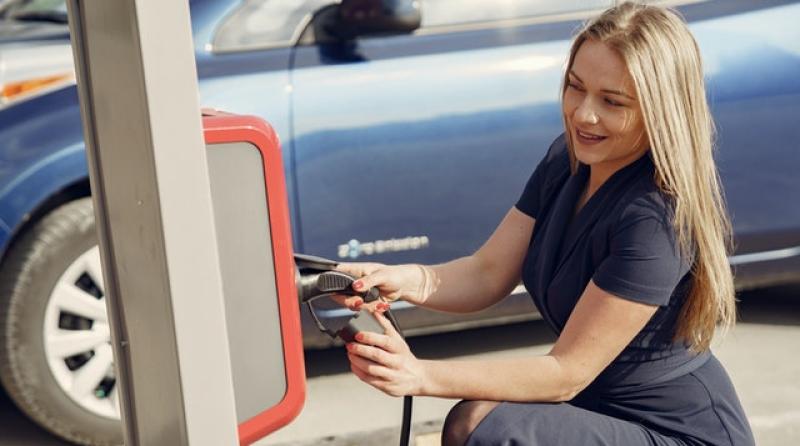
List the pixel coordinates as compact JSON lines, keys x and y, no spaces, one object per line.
{"x":226,"y":129}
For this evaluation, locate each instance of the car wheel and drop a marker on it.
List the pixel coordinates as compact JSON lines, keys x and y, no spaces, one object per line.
{"x":56,"y":361}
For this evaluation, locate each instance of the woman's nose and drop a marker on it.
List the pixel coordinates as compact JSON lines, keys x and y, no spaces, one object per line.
{"x":585,"y":113}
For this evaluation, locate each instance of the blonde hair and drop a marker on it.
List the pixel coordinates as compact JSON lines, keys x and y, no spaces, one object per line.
{"x":664,"y":61}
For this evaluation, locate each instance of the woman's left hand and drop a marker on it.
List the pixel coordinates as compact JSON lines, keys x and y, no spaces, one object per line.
{"x":385,"y":361}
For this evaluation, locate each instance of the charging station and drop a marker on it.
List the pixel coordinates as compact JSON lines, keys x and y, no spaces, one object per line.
{"x":194,"y":236}
{"x":251,"y":215}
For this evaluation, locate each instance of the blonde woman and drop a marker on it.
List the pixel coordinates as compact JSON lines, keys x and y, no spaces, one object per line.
{"x":620,"y":237}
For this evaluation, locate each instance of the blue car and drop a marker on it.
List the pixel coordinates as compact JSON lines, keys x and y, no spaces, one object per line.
{"x":402,"y":142}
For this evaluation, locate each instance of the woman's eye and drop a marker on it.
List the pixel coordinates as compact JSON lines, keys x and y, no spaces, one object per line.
{"x":613,"y":102}
{"x":574,"y":86}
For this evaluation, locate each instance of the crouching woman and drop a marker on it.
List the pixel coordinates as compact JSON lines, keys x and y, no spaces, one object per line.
{"x":620,"y":238}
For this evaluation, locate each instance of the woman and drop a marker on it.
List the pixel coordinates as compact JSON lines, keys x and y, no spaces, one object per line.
{"x":620,"y":237}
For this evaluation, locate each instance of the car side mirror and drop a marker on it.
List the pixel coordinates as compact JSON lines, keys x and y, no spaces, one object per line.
{"x":374,"y":17}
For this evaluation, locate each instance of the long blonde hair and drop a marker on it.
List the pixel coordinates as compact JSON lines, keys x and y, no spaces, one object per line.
{"x":664,"y":62}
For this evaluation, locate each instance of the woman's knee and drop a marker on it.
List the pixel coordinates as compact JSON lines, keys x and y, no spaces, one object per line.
{"x":462,"y":419}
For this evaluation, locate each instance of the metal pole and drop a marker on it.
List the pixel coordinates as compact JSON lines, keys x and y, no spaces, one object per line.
{"x":138,"y":88}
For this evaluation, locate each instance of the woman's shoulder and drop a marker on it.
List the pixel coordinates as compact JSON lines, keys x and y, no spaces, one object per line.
{"x":645,"y":200}
{"x":544,"y":181}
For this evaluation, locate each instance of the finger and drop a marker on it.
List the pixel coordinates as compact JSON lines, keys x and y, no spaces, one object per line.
{"x":370,"y":368}
{"x":392,"y":296}
{"x":371,"y":353}
{"x":388,"y":328}
{"x":357,"y":269}
{"x":379,"y":340}
{"x":377,"y":383}
{"x":370,"y":306}
{"x":383,"y":306}
{"x":354,"y":303}
{"x":367,"y":378}
{"x":368,"y":274}
{"x":387,"y":386}
{"x":376,"y":278}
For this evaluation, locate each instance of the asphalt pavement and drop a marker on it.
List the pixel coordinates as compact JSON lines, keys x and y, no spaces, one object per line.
{"x":760,"y":354}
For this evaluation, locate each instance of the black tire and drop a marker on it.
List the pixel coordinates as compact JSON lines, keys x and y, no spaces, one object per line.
{"x":32,"y":267}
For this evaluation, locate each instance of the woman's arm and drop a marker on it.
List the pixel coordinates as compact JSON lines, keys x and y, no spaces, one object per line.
{"x":476,"y":282}
{"x":599,"y":328}
{"x":463,"y":285}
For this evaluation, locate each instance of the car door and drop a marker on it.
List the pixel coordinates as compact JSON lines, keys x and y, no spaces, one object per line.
{"x":411,"y":148}
{"x":751,"y":53}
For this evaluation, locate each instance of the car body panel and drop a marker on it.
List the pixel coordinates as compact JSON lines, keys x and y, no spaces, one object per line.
{"x":754,"y":91}
{"x":21,"y":61}
{"x":3,"y":233}
{"x":752,"y":62}
{"x":42,"y":153}
{"x":254,"y":83}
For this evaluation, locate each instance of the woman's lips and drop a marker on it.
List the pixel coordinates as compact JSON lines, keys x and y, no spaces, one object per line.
{"x":587,"y":138}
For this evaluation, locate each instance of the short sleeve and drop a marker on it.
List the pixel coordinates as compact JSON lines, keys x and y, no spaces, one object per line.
{"x":532,"y":198}
{"x":644,"y":262}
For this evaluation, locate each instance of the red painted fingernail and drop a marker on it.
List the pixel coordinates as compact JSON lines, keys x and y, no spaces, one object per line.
{"x":359,"y":337}
{"x":350,"y":346}
{"x":358,"y":284}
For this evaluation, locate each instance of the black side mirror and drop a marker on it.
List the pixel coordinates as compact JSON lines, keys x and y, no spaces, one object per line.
{"x":371,"y":17}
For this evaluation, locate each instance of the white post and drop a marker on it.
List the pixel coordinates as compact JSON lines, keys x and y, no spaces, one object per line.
{"x":147,"y":161}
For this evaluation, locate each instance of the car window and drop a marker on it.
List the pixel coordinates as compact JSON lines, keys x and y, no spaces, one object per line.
{"x":668,"y":3}
{"x":258,"y":24}
{"x":458,"y":12}
{"x":34,"y":10}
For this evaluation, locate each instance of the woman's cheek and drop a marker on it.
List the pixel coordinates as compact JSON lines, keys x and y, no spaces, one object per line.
{"x":618,"y":123}
{"x":570,"y":103}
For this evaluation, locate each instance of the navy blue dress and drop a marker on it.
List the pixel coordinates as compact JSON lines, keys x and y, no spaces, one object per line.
{"x":656,"y":391}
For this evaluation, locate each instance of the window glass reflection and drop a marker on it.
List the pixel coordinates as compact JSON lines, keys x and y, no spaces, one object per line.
{"x":265,"y":23}
{"x":456,"y":12}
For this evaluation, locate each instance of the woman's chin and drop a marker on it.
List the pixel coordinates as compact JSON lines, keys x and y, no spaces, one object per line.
{"x":587,"y":156}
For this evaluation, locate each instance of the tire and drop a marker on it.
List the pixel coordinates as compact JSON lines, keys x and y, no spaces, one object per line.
{"x":36,"y":378}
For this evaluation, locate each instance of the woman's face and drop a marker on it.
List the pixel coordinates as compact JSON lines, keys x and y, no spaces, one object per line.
{"x":601,"y":109}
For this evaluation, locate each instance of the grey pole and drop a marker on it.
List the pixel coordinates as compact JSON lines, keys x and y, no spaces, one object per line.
{"x":139,"y":100}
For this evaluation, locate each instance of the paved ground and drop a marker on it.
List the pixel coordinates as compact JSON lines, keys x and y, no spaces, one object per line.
{"x":761,"y":355}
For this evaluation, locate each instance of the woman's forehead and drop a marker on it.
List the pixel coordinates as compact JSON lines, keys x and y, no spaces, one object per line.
{"x":599,"y":66}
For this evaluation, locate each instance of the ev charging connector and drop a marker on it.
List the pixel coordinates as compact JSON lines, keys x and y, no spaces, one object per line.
{"x":317,"y":277}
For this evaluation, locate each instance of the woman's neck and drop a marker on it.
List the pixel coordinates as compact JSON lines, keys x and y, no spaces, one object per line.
{"x":600,"y":173}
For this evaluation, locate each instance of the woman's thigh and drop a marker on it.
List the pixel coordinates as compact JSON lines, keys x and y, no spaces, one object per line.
{"x":543,"y":424}
{"x":462,"y":419}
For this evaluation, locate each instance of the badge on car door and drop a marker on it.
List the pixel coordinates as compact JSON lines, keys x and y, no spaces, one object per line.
{"x":354,"y":248}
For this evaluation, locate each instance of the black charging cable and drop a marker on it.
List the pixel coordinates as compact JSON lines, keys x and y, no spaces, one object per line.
{"x":316,"y":277}
{"x":408,"y":400}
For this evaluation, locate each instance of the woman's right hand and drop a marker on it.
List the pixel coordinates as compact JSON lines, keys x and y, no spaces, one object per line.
{"x":411,"y":282}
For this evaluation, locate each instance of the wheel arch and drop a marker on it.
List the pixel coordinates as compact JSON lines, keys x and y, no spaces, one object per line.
{"x":77,"y":189}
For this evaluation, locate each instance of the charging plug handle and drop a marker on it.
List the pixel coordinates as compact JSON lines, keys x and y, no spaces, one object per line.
{"x":315,"y":285}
